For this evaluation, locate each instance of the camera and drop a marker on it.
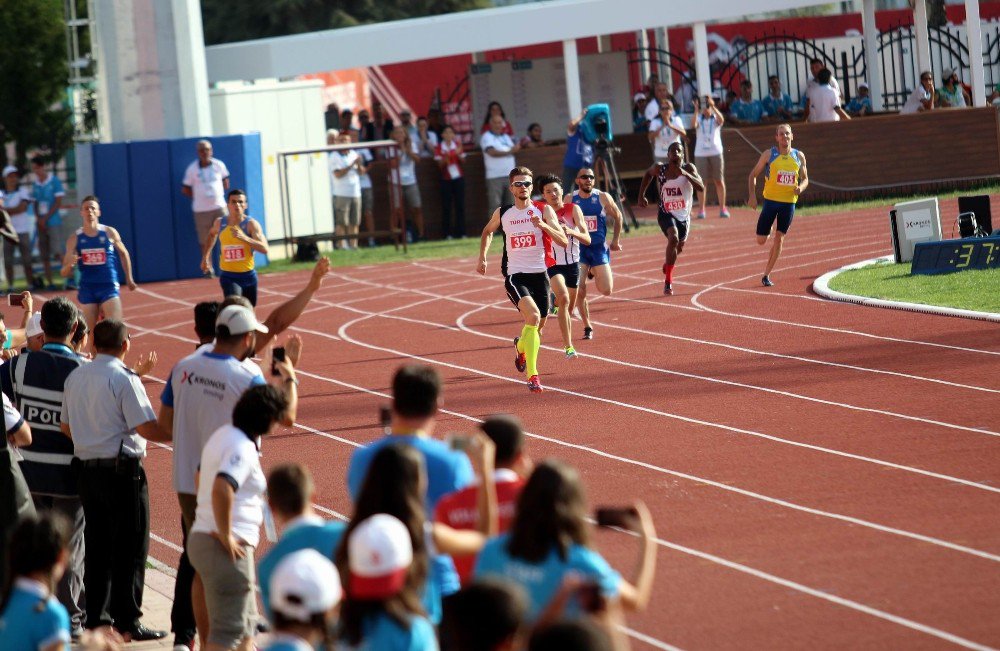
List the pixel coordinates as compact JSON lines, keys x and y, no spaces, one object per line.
{"x":596,"y":126}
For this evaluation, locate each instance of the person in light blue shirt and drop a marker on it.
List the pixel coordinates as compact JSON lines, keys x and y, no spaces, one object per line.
{"x":746,"y":110}
{"x":290,"y":491}
{"x":30,"y":616}
{"x":48,"y":193}
{"x":860,"y":104}
{"x":777,"y":103}
{"x":547,"y":551}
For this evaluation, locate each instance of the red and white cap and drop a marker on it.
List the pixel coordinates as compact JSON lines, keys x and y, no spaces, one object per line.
{"x":380,"y":553}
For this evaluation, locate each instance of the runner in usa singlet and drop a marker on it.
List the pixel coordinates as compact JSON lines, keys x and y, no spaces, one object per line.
{"x":675,"y":194}
{"x":527,"y":249}
{"x":98,"y":260}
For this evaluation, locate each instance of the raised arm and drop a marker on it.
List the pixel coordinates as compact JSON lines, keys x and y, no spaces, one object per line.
{"x":126,"y":259}
{"x":285,"y":314}
{"x":486,"y":239}
{"x":636,"y":595}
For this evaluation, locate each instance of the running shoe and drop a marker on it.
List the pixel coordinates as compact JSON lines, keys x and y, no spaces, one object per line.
{"x":724,"y":214}
{"x":520,"y":363}
{"x":766,"y":282}
{"x":701,"y":214}
{"x":534,"y":385}
{"x":571,"y":353}
{"x":667,"y":289}
{"x":588,"y":333}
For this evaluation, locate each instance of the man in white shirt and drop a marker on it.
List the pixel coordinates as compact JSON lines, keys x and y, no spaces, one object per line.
{"x":922,"y":97}
{"x":206,"y":182}
{"x":665,"y":130}
{"x":824,"y":102}
{"x":660,"y":96}
{"x":346,"y":182}
{"x":18,"y":203}
{"x":815,"y":65}
{"x":498,"y":157}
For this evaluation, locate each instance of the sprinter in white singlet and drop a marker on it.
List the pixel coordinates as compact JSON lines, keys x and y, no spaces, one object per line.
{"x":529,"y":231}
{"x":676,"y":181}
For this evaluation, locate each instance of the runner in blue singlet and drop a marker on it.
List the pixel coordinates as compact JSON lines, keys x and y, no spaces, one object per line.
{"x":595,"y":258}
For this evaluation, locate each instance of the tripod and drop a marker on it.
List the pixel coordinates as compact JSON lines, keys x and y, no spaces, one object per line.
{"x":604,"y":164}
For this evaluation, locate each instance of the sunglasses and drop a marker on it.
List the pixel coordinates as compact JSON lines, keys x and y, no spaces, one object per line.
{"x":521,"y":184}
{"x":586,"y":177}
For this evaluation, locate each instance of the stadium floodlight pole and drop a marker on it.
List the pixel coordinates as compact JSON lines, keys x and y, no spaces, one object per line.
{"x":974,"y":36}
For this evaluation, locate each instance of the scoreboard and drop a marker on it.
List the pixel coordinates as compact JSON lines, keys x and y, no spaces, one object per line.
{"x":956,"y":255}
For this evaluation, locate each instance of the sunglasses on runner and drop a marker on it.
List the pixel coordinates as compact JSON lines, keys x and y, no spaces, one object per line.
{"x":521,"y":184}
{"x":586,"y":177}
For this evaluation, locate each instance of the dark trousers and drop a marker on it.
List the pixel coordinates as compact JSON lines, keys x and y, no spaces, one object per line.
{"x":71,"y":588}
{"x":116,"y":503}
{"x":453,"y":195}
{"x":182,"y":612}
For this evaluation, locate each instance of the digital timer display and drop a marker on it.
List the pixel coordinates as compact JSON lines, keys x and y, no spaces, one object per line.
{"x":956,"y":255}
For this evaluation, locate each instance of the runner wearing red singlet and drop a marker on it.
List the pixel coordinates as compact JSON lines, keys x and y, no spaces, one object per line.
{"x":529,"y":232}
{"x":564,"y":275}
{"x":676,"y":181}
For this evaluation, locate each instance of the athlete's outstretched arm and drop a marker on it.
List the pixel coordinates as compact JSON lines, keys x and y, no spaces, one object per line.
{"x":69,"y":260}
{"x":285,"y":314}
{"x":123,"y":254}
{"x":206,"y":247}
{"x":550,"y":224}
{"x":803,"y":176}
{"x":647,"y":178}
{"x":487,"y":238}
{"x":752,"y":181}
{"x":581,"y":233}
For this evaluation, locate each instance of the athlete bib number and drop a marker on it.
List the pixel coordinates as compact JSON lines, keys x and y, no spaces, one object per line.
{"x":786,"y":178}
{"x":522,"y":240}
{"x":674,"y":205}
{"x":93,"y":256}
{"x":592,"y":224}
{"x":233,"y":253}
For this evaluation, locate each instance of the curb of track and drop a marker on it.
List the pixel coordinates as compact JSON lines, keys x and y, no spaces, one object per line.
{"x":821,"y":286}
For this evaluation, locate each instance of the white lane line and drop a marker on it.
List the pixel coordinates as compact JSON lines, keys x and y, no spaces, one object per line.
{"x":704,"y":555}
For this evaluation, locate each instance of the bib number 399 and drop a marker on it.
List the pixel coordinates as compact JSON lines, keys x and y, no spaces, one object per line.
{"x":522,"y":240}
{"x":786,"y":178}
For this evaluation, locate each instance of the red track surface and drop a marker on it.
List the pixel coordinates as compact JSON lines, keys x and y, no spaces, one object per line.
{"x":821,"y":474}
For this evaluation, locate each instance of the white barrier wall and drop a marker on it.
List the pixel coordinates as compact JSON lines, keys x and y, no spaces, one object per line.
{"x":288,"y":115}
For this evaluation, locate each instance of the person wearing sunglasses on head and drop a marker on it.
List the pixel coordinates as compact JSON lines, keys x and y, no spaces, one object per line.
{"x":529,"y":230}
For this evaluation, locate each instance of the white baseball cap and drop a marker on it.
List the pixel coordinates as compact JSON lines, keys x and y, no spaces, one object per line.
{"x":304,"y":583}
{"x":380,"y":553}
{"x":638,"y":96}
{"x":863,"y":84}
{"x":10,"y":169}
{"x":239,"y":320}
{"x":34,"y":326}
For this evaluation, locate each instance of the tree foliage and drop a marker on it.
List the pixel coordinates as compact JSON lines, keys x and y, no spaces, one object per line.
{"x":33,"y":76}
{"x":227,"y":21}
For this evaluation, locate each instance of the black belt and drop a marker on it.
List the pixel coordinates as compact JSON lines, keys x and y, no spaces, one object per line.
{"x":108,"y":463}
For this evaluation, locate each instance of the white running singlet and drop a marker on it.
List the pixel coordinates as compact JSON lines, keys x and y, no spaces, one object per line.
{"x":675,"y":194}
{"x":528,"y":248}
{"x":571,"y":253}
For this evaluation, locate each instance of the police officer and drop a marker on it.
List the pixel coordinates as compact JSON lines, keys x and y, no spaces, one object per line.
{"x":106,"y":412}
{"x":34,"y":383}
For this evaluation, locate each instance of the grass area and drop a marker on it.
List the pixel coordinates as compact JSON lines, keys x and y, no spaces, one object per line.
{"x":974,"y":289}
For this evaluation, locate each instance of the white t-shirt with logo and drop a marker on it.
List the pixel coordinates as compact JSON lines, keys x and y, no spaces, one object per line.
{"x":709,"y":141}
{"x":206,"y":185}
{"x":666,"y":136}
{"x":25,"y":221}
{"x":497,"y":167}
{"x":202,"y":389}
{"x":230,"y":453}
{"x":408,"y":166}
{"x":348,"y":185}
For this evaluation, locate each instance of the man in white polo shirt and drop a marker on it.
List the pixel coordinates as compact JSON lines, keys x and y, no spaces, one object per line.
{"x":498,"y":157}
{"x":346,"y":184}
{"x":206,"y":182}
{"x":199,"y":399}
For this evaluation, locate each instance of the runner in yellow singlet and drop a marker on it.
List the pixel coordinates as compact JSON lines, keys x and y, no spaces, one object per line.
{"x":785,"y":178}
{"x":239,"y":238}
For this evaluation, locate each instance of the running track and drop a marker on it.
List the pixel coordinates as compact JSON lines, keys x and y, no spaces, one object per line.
{"x":821,"y":474}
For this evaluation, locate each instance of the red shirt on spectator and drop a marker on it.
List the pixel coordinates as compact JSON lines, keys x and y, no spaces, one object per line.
{"x":450,"y":156}
{"x":459,"y":510}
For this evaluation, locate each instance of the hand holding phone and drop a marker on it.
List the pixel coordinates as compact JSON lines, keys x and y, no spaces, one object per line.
{"x":277,"y":355}
{"x":622,"y":517}
{"x":15,"y":300}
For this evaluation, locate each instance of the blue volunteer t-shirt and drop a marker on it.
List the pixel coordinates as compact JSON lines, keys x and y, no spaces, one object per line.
{"x":46,"y":194}
{"x":382,"y":633}
{"x":542,"y":580}
{"x":323,"y":537}
{"x":31,"y":619}
{"x":579,"y":153}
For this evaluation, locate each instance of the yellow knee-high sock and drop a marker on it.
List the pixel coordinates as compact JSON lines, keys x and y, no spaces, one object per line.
{"x":529,"y":337}
{"x":521,"y":340}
